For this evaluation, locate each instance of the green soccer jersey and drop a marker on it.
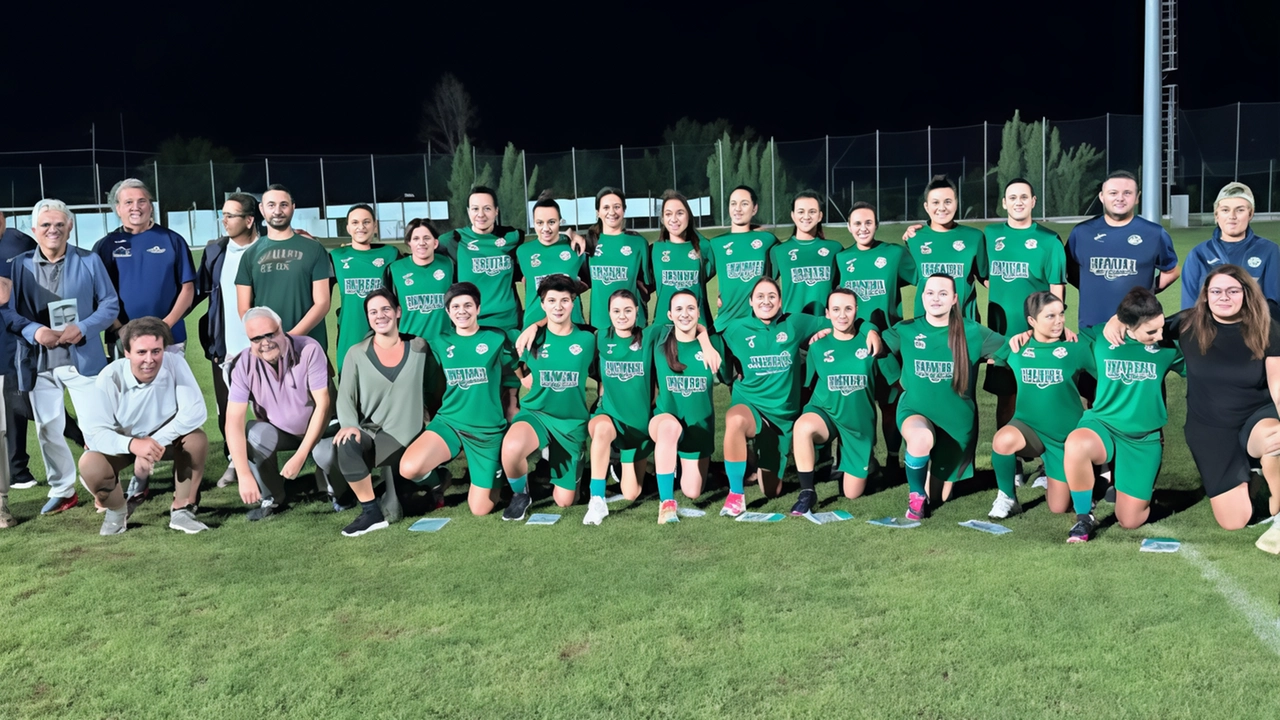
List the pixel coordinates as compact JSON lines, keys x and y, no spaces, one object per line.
{"x":538,"y":261}
{"x":1130,"y":397}
{"x":806,"y":269}
{"x":740,"y":260}
{"x":358,"y":272}
{"x":626,"y":378}
{"x":765,"y":353}
{"x":677,"y":266}
{"x":620,"y":262}
{"x":925,"y":364}
{"x":687,"y":394}
{"x":877,"y":275}
{"x":489,"y":262}
{"x":1048,"y":399}
{"x":421,"y":290}
{"x":1019,"y":262}
{"x":281,"y":273}
{"x":959,"y":252}
{"x":473,"y":367}
{"x":560,"y":366}
{"x":843,"y":372}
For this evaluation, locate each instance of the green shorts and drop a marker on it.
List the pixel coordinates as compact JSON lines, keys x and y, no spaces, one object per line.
{"x":484,"y":452}
{"x":952,"y":454}
{"x":697,"y":440}
{"x":772,"y":442}
{"x":1136,"y":460}
{"x":1049,"y":450}
{"x":564,"y":450}
{"x":855,"y":445}
{"x":632,"y":443}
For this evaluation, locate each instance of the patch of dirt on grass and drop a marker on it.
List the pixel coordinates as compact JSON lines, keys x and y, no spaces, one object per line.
{"x":573,"y":651}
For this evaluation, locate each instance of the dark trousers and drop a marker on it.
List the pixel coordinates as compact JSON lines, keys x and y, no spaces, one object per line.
{"x":17,"y":414}
{"x":220,"y":393}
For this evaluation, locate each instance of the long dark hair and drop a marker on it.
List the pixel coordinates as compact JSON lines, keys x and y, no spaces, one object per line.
{"x":637,"y":332}
{"x":597,"y":228}
{"x":755,"y":200}
{"x":416,"y":223}
{"x":1255,"y":316}
{"x":690,"y":235}
{"x":957,"y":341}
{"x":671,"y":346}
{"x":803,"y":194}
{"x":1138,"y":306}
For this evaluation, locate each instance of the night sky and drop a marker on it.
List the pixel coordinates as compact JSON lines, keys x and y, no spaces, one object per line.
{"x":553,"y":75}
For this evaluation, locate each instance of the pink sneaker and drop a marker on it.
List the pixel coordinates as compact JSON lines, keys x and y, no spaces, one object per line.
{"x":734,"y":505}
{"x":916,"y":504}
{"x":668,"y":512}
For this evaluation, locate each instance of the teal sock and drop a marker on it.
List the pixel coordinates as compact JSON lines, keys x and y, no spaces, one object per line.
{"x":667,"y":486}
{"x":1082,"y":501}
{"x":1006,"y":466}
{"x":735,"y":471}
{"x":597,"y":488}
{"x":518,"y":484}
{"x":917,"y":472}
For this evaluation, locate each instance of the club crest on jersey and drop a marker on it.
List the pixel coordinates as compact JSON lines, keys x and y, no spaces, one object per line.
{"x":935,"y":371}
{"x":727,"y":248}
{"x":1153,"y":349}
{"x":408,"y":279}
{"x":756,"y":244}
{"x":693,"y":255}
{"x":925,"y":249}
{"x":1135,"y":239}
{"x":861,"y":353}
{"x":626,"y":250}
{"x":957,"y":245}
{"x":846,"y":384}
{"x":1060,"y":352}
{"x":122,"y":252}
{"x":576,"y":349}
{"x":564,"y":255}
{"x":828,"y":356}
{"x":346,"y":263}
{"x":824,"y":252}
{"x":464,"y":378}
{"x":1254,"y":262}
{"x":1130,"y":371}
{"x":666,"y":256}
{"x":482,"y":349}
{"x":379,"y":262}
{"x":999,"y":244}
{"x":1030,"y":243}
{"x":782,"y":337}
{"x":1041,"y":377}
{"x":881,"y":262}
{"x":499,"y":242}
{"x":438,"y":274}
{"x":1029,"y":353}
{"x":919,"y":342}
{"x":1112,"y":268}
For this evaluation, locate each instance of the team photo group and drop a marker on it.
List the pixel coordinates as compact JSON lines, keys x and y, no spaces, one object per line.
{"x":595,"y":353}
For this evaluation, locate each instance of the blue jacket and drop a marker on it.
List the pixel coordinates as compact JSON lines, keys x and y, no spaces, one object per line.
{"x":1259,"y":257}
{"x":213,"y":335}
{"x":85,"y":278}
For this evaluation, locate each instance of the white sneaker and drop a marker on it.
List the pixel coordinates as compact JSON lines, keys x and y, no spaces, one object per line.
{"x":1004,"y":506}
{"x":1019,"y":480}
{"x":1041,"y":482}
{"x":228,"y":477}
{"x":597,"y":510}
{"x":185,"y":520}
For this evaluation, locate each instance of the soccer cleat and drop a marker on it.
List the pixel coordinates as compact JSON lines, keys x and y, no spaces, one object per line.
{"x":114,"y":522}
{"x":265,"y":510}
{"x":228,"y":477}
{"x":132,"y":504}
{"x":597,"y":510}
{"x":1041,"y":482}
{"x":6,"y":518}
{"x":366,"y":523}
{"x":184,"y":519}
{"x":804,"y":505}
{"x":1004,"y":506}
{"x":668,"y":512}
{"x":518,"y":507}
{"x":59,"y":504}
{"x":734,"y":505}
{"x":917,"y":506}
{"x":1084,"y":527}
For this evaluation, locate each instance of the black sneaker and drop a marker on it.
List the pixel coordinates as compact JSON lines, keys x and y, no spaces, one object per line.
{"x":1111,"y":494}
{"x":803,"y":506}
{"x":262,"y":512}
{"x":366,"y":523}
{"x":1084,"y":527}
{"x":518,"y":507}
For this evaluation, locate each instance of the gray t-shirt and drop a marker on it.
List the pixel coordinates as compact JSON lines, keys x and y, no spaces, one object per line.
{"x":49,"y":277}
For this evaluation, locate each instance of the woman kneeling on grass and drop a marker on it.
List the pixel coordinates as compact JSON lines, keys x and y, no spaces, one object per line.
{"x":1048,"y":407}
{"x":1124,"y":424}
{"x":842,"y":406}
{"x":471,"y":418}
{"x":937,"y":414}
{"x":686,"y":365}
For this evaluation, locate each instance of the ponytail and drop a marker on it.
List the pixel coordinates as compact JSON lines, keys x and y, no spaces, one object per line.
{"x":959,"y":344}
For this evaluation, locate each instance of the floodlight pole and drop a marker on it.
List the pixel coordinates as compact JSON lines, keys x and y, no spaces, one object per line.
{"x":622,"y":166}
{"x":1151,"y":171}
{"x":213,"y":188}
{"x":324,"y":196}
{"x":426,"y":179}
{"x":373,"y":180}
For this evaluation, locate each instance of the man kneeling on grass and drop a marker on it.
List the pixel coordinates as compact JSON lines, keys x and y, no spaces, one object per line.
{"x":147,"y":408}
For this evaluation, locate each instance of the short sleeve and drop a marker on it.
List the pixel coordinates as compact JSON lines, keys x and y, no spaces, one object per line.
{"x":990,"y":341}
{"x":317,"y":368}
{"x":187,"y":266}
{"x":1001,"y":357}
{"x":1055,"y":262}
{"x":906,"y":268}
{"x":807,"y":325}
{"x":322,"y":268}
{"x":708,"y":260}
{"x":1168,"y":256}
{"x":238,"y":388}
{"x":1179,"y":364}
{"x":244,"y":273}
{"x":1087,"y":363}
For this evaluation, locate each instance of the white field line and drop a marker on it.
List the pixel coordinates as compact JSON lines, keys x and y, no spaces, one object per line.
{"x":1264,"y":622}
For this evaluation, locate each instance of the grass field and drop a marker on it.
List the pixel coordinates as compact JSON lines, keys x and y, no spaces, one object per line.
{"x":704,"y":618}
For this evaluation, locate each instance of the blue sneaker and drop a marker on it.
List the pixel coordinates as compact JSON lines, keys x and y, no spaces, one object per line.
{"x":58,"y":504}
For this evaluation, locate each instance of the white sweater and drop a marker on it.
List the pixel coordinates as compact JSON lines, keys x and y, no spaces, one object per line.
{"x":164,"y":409}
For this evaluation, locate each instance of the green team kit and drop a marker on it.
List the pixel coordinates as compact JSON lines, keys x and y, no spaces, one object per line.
{"x":471,"y":417}
{"x":877,"y":275}
{"x":1048,"y":400}
{"x":421,"y":290}
{"x":488,"y":261}
{"x":843,"y":377}
{"x":677,"y":266}
{"x":1019,"y":262}
{"x":620,"y":262}
{"x":536,"y":262}
{"x":357,"y":273}
{"x":687,"y":395}
{"x":740,"y":260}
{"x":806,"y":270}
{"x":625,"y":373}
{"x":556,"y":404}
{"x":959,"y":252}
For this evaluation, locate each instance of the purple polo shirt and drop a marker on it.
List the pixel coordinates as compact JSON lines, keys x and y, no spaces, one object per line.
{"x":281,"y":396}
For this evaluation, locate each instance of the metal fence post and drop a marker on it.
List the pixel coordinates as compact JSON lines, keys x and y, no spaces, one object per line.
{"x":324,"y":195}
{"x":155,"y":168}
{"x":929,"y":158}
{"x":1106,"y":151}
{"x":574,"y":153}
{"x":720,"y":149}
{"x":426,"y":179}
{"x":877,"y":170}
{"x":1237,"y":175}
{"x":524,"y":176}
{"x":1202,"y":185}
{"x":1044,"y":165}
{"x":266,"y":165}
{"x":673,"y":167}
{"x":827,"y":179}
{"x":773,"y":181}
{"x":985,"y":192}
{"x":213,"y":188}
{"x":906,"y":210}
{"x":960,"y":188}
{"x":42,"y":192}
{"x":1271,"y":177}
{"x":622,"y":167}
{"x":373,"y":180}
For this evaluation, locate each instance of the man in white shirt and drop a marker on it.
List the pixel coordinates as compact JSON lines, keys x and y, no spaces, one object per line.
{"x":148,"y":408}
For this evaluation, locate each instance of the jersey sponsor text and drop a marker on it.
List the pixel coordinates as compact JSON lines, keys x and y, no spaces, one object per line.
{"x":746,"y":270}
{"x":491,"y":266}
{"x":1041,"y":377}
{"x":558,"y":380}
{"x":609,"y":274}
{"x":810,"y":275}
{"x":1111,"y":268}
{"x":686,"y":386}
{"x":1130,"y":371}
{"x":1010,"y":270}
{"x":935,"y":371}
{"x":360,"y":286}
{"x":623,"y":370}
{"x":463,"y":378}
{"x":770,"y":364}
{"x":846,"y":384}
{"x":955,"y":270}
{"x":866,"y":289}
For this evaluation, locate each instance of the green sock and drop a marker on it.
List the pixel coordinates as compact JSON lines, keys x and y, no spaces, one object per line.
{"x":518,"y":484}
{"x":667,"y":486}
{"x":917,"y":472}
{"x":735,"y":471}
{"x":597,"y":488}
{"x":1082,"y":501}
{"x":1005,"y":466}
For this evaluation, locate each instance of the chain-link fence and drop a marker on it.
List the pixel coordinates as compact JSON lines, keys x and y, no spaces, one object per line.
{"x":1064,"y":160}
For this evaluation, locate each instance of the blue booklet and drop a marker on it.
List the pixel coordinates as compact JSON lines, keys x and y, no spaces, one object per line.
{"x":986,"y":527}
{"x":894,"y":522}
{"x":542,"y":519}
{"x":428,"y":524}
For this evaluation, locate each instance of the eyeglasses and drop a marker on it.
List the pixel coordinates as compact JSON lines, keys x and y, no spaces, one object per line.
{"x":1234,"y":292}
{"x":265,"y":336}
